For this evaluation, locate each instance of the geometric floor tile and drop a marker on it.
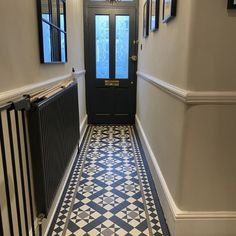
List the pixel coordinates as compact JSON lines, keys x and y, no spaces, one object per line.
{"x":110,"y":191}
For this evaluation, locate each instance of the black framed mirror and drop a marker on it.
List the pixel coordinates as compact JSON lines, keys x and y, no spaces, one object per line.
{"x":52,"y":31}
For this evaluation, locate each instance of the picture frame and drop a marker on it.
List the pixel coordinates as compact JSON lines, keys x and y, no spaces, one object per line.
{"x":146,"y":19}
{"x":154,"y":15}
{"x":169,"y":10}
{"x":231,"y":4}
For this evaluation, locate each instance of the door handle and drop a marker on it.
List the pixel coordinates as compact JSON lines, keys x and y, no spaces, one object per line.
{"x":133,"y":58}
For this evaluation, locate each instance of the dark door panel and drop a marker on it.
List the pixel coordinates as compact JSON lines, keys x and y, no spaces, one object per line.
{"x":104,"y":101}
{"x":122,"y":101}
{"x":111,"y":75}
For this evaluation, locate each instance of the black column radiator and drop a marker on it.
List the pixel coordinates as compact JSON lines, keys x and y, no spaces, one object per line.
{"x":54,"y":135}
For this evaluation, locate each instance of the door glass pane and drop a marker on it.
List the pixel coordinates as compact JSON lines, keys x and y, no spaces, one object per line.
{"x":102,"y":47}
{"x":122,"y":47}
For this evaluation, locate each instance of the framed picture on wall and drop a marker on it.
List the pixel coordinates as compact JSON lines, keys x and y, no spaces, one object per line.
{"x":231,"y":4}
{"x":146,"y":19}
{"x":169,"y":10}
{"x":154,"y":16}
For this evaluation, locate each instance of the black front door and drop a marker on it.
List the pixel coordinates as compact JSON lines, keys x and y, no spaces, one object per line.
{"x":111,"y":49}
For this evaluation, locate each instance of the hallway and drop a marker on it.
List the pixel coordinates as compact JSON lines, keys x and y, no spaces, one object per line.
{"x":117,"y":117}
{"x":111,"y":191}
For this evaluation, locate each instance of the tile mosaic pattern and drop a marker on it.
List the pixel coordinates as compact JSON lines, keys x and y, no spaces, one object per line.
{"x":111,"y":191}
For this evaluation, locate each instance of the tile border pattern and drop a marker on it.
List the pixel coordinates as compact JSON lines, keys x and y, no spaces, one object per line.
{"x":150,"y":192}
{"x":151,"y":201}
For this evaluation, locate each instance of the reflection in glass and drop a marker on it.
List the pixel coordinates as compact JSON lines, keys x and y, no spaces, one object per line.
{"x":54,"y":13}
{"x":122,"y":47}
{"x":62,"y":22}
{"x":45,"y":10}
{"x":102,"y":47}
{"x":47,"y":43}
{"x":167,"y":8}
{"x":153,"y":15}
{"x":46,"y":17}
{"x":56,"y":44}
{"x":62,"y":16}
{"x":61,"y":7}
{"x":63,"y":47}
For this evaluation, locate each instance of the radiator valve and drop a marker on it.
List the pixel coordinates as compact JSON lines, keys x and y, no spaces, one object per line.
{"x":40,"y":219}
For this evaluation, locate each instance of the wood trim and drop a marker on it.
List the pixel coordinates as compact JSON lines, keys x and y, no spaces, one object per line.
{"x":14,"y":94}
{"x":166,"y":87}
{"x":191,"y":97}
{"x":18,"y":92}
{"x":78,"y":74}
{"x":211,"y":97}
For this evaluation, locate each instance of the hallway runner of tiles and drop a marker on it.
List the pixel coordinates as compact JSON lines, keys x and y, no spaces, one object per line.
{"x":110,"y":190}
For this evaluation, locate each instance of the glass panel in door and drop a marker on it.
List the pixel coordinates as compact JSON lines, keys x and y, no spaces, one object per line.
{"x":102,"y":47}
{"x":122,"y":47}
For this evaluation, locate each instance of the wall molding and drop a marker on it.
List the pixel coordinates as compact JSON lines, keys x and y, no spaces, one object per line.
{"x":14,"y":94}
{"x":18,"y":92}
{"x":79,"y":73}
{"x":191,"y":97}
{"x":180,"y":222}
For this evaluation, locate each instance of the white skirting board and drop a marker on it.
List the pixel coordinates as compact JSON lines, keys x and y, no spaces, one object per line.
{"x":83,"y":127}
{"x":185,"y":223}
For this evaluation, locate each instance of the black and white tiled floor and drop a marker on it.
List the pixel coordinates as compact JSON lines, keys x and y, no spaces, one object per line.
{"x":110,"y":191}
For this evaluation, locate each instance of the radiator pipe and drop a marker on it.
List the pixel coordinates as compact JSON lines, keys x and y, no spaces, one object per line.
{"x":40,"y":223}
{"x":7,"y":184}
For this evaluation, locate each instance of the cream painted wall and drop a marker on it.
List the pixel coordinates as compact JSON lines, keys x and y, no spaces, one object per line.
{"x":162,"y":118}
{"x":165,"y":53}
{"x":165,"y":56}
{"x":19,"y":47}
{"x":76,"y":34}
{"x":194,"y":145}
{"x":212,"y":43}
{"x":208,"y":176}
